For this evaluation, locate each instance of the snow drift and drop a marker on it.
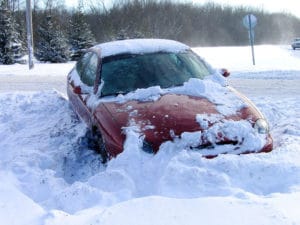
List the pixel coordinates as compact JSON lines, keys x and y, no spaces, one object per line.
{"x":49,"y":176}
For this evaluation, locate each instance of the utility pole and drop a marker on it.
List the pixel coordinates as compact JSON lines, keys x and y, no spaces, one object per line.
{"x":29,"y":33}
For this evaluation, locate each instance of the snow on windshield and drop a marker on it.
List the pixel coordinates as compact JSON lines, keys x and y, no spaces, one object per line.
{"x":213,"y":88}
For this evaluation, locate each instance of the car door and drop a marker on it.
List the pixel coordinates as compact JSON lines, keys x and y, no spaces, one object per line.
{"x":86,"y":71}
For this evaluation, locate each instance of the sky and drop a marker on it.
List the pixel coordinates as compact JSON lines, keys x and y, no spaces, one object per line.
{"x":289,"y":6}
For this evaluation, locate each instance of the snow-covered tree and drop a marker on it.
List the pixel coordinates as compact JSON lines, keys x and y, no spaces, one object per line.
{"x":10,"y":43}
{"x":122,"y":35}
{"x":80,"y":35}
{"x":51,"y":45}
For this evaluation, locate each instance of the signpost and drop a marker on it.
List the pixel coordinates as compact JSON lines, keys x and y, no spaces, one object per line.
{"x":29,"y":33}
{"x":250,"y":22}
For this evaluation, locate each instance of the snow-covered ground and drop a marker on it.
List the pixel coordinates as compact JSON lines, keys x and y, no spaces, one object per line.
{"x":48,"y":176}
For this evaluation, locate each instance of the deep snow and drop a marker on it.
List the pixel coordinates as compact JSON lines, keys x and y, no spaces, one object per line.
{"x":48,"y":176}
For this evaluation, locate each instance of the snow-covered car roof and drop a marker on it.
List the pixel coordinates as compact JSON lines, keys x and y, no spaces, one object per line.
{"x":140,"y":46}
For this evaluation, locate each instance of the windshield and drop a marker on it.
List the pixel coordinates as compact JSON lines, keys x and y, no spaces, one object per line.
{"x":124,"y":73}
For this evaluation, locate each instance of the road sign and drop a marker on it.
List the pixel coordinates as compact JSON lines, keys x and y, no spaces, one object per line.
{"x":251,"y":34}
{"x":249,"y":21}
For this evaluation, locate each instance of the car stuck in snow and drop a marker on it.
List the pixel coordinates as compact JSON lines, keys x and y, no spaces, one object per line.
{"x":169,"y":94}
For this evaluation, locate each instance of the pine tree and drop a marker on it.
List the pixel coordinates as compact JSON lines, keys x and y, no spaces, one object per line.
{"x":80,"y":35}
{"x":10,"y":44}
{"x":122,"y":35}
{"x":21,"y":28}
{"x":51,"y":45}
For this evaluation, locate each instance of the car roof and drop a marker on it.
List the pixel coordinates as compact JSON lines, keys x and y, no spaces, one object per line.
{"x":139,"y":46}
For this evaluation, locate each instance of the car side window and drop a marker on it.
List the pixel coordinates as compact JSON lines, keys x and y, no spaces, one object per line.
{"x":87,"y":68}
{"x":80,"y":65}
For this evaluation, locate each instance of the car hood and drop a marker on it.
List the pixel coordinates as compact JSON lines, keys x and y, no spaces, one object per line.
{"x":171,"y":115}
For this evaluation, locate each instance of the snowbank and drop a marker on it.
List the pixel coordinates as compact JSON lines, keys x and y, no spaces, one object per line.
{"x":49,"y":176}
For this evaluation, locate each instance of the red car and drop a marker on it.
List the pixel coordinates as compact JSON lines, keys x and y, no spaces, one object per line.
{"x":168,"y":92}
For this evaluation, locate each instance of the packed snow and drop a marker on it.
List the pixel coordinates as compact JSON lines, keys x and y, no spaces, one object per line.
{"x":49,"y":176}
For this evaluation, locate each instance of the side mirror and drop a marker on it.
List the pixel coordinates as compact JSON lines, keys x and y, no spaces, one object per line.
{"x":224,"y":72}
{"x":77,"y":90}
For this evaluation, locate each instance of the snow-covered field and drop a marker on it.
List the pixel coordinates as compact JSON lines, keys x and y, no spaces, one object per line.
{"x":48,"y":176}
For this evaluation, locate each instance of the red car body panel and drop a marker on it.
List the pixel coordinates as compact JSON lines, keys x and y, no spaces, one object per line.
{"x":78,"y":102}
{"x":156,"y":119}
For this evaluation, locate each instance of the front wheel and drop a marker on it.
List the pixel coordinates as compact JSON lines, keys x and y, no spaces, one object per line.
{"x":95,"y":142}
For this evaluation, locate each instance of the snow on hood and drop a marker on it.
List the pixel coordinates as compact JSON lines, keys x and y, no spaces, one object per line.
{"x":140,"y":46}
{"x":247,"y":138}
{"x":213,"y":88}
